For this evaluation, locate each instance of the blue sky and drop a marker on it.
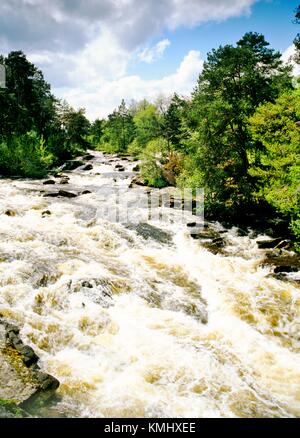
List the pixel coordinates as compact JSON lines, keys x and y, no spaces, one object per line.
{"x":94,"y":53}
{"x":272,"y":18}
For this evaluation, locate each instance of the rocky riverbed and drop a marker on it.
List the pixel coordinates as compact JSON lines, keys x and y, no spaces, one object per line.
{"x":137,"y":311}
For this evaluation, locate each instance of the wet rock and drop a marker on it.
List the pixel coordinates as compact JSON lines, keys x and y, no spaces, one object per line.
{"x":47,"y":382}
{"x":88,"y":157}
{"x":285,"y":269}
{"x":148,"y":231}
{"x":137,"y":182}
{"x":22,"y":385}
{"x":120,"y":168}
{"x":65,"y":194}
{"x":61,"y":194}
{"x":219,"y":242}
{"x":283,"y":263}
{"x":10,"y":213}
{"x":206,"y":234}
{"x":28,"y":355}
{"x":72,"y":164}
{"x":272,"y":243}
{"x":88,"y":167}
{"x":49,"y":182}
{"x":62,"y":176}
{"x":46,"y":213}
{"x":86,"y":192}
{"x":136,"y":168}
{"x":192,"y":224}
{"x":64,"y":181}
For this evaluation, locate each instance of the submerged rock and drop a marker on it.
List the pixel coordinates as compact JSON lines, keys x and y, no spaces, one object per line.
{"x":148,"y":231}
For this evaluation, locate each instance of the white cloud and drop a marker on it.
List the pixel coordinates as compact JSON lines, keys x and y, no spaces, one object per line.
{"x":288,"y":56}
{"x":85,"y":48}
{"x":155,"y":53}
{"x":101,"y":97}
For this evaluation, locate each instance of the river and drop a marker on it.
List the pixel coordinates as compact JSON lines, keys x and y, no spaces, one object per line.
{"x":144,"y":327}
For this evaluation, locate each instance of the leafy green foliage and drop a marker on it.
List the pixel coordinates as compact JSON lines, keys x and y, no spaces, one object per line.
{"x":277,"y":127}
{"x":234,"y":81}
{"x":119,"y":129}
{"x":153,"y":157}
{"x":25,"y":155}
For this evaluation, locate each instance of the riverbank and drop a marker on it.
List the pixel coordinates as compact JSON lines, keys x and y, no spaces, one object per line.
{"x":24,"y":388}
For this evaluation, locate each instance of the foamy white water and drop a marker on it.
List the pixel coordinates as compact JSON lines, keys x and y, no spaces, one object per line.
{"x":134,"y":327}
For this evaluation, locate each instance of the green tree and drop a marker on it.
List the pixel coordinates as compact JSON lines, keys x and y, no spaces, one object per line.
{"x":119,"y":129}
{"x":234,"y":81}
{"x":147,"y":123}
{"x":277,"y":127}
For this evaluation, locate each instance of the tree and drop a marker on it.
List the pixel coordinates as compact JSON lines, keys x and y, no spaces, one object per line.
{"x":277,"y":127}
{"x":234,"y":81}
{"x":172,"y":125}
{"x":97,"y":131}
{"x":120,"y":129}
{"x":75,"y":124}
{"x":26,"y":102}
{"x":147,"y":123}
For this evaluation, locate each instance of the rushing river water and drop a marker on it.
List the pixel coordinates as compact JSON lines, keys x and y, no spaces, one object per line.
{"x":135,"y":327}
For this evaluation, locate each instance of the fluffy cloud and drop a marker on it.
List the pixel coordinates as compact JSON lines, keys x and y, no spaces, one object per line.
{"x":101,"y":97}
{"x":156,"y":52}
{"x":86,"y":47}
{"x":47,"y":24}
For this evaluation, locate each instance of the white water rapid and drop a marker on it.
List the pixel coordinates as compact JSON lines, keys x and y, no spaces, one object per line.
{"x":136,"y":327}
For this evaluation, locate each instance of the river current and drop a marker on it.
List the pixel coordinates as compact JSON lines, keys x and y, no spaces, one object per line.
{"x":135,"y":325}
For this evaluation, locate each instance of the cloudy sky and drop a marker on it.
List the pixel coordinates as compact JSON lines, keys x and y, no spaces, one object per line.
{"x":96,"y":52}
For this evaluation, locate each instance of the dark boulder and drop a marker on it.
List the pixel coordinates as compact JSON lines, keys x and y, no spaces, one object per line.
{"x":10,"y":213}
{"x":136,"y":168}
{"x":86,"y":192}
{"x":72,"y":165}
{"x":46,"y":213}
{"x":148,"y":231}
{"x":88,"y":157}
{"x":88,"y":167}
{"x":285,"y":269}
{"x":272,"y":243}
{"x":49,"y":182}
{"x":61,"y":194}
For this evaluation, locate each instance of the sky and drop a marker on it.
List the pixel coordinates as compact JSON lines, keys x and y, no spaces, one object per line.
{"x":94,"y":53}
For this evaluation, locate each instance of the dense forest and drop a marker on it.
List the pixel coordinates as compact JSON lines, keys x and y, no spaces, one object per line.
{"x":237,"y":135}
